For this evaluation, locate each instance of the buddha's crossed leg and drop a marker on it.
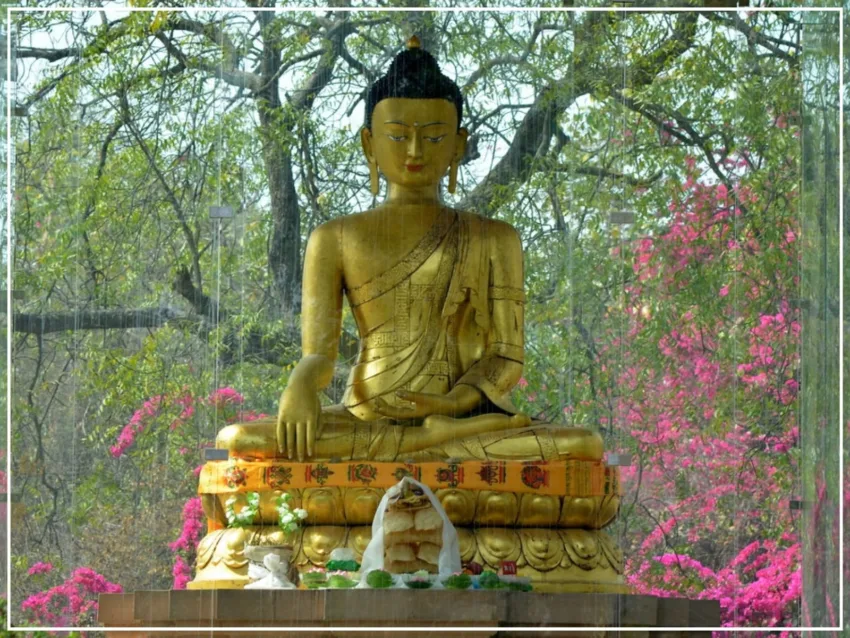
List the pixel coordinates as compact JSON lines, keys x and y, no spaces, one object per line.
{"x":487,"y":436}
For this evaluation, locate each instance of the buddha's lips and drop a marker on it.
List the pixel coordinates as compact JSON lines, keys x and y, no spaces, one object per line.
{"x":415,"y":167}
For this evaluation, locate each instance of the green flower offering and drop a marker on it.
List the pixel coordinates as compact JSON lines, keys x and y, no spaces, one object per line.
{"x":379,"y":579}
{"x":458,"y":581}
{"x":340,"y":581}
{"x":343,"y":560}
{"x":314,"y":579}
{"x":418,"y":580}
{"x":489,"y":580}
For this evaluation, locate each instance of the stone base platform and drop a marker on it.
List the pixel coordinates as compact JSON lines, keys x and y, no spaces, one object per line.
{"x":614,"y":614}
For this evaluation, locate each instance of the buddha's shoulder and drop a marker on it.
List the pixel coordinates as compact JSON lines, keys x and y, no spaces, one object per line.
{"x":496,"y":229}
{"x":326,"y":236}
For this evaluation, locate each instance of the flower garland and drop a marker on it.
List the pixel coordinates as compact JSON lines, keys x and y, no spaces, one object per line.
{"x":289,"y":520}
{"x":246,"y":515}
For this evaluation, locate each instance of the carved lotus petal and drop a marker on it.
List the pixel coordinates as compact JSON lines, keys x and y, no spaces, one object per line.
{"x":324,"y":504}
{"x":582,"y":547}
{"x":539,"y":510}
{"x":498,"y":544}
{"x":497,"y":508}
{"x":612,"y":552}
{"x":467,"y":544}
{"x":459,"y":505}
{"x":320,"y":540}
{"x":358,"y":539}
{"x":542,"y":548}
{"x":360,"y":504}
{"x":579,"y":511}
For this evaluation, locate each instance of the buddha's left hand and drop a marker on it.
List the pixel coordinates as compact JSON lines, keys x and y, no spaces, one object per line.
{"x":460,"y":400}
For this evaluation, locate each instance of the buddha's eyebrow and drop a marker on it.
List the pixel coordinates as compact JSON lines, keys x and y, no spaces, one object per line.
{"x":408,"y":125}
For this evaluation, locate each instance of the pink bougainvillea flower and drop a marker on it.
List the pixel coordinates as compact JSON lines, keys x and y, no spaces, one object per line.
{"x":71,"y":604}
{"x":40,"y":568}
{"x":226,"y":396}
{"x":186,"y":545}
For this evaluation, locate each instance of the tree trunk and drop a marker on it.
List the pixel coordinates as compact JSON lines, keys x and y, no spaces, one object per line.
{"x":285,"y":241}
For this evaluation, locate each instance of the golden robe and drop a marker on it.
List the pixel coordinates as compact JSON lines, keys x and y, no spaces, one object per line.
{"x":442,"y":317}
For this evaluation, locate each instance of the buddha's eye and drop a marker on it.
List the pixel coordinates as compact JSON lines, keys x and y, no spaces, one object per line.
{"x":397,"y":138}
{"x":435,"y":139}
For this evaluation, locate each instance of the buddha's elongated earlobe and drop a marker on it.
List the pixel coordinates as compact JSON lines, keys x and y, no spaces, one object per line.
{"x":453,"y":177}
{"x":463,"y":135}
{"x":366,"y":142}
{"x":374,"y":186}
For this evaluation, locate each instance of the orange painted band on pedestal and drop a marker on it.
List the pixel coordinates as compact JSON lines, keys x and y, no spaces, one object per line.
{"x":561,"y":478}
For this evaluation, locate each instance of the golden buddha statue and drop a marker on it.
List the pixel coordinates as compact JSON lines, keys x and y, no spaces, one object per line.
{"x":437,"y":296}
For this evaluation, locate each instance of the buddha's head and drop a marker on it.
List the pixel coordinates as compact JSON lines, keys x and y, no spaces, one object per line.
{"x":412,"y":131}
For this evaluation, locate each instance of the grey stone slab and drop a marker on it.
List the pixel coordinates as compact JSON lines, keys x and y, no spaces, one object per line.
{"x":673,"y":612}
{"x":703,"y":613}
{"x":244,"y":606}
{"x":116,"y":610}
{"x":575,"y":610}
{"x":638,"y":611}
{"x":406,"y":607}
{"x":191,"y":607}
{"x":152,"y":608}
{"x":299,"y":607}
{"x":612,"y":613}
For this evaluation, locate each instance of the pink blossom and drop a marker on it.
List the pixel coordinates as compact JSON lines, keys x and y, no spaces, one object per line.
{"x":724,"y":290}
{"x":40,"y":568}
{"x":186,"y":545}
{"x":73,"y":603}
{"x":226,"y":396}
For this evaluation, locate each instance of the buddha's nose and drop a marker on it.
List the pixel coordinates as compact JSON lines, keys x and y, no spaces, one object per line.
{"x":414,"y":149}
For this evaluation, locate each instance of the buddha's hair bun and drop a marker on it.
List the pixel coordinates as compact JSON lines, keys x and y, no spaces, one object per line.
{"x":414,"y":73}
{"x":415,"y":65}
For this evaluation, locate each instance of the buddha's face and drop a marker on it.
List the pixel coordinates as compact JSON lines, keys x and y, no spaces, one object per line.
{"x":414,"y":140}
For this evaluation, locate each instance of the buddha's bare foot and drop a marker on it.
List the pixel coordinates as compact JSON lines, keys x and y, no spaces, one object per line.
{"x":442,"y":426}
{"x":519,"y":421}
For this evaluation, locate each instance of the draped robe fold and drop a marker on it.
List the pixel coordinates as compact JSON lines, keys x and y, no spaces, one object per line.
{"x":434,"y":321}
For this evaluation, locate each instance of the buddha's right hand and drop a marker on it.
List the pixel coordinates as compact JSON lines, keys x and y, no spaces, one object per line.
{"x":297,"y":421}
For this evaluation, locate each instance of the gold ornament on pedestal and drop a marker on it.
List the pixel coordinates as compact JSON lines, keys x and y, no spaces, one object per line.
{"x":437,"y":296}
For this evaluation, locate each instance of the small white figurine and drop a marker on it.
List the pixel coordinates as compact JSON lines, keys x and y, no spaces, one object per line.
{"x":269,"y":567}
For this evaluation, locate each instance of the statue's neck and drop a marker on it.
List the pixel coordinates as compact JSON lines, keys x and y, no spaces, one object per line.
{"x":405,"y":195}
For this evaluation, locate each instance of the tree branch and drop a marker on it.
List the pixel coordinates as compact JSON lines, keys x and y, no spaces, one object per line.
{"x":50,"y":322}
{"x":597,"y":171}
{"x":172,"y":198}
{"x":771,"y":44}
{"x":212,"y":32}
{"x":235,"y":77}
{"x":540,"y":122}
